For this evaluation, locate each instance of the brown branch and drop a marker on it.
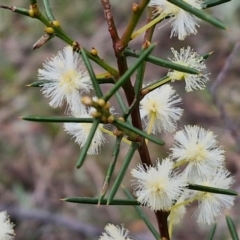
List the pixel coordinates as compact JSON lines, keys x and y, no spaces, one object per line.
{"x":160,"y":215}
{"x":163,"y":224}
{"x":118,"y":46}
{"x":7,"y":7}
{"x":220,"y":78}
{"x":110,"y":22}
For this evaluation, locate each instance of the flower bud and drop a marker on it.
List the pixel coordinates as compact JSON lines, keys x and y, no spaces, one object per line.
{"x":101,"y":102}
{"x":49,"y":30}
{"x":56,"y":23}
{"x":31,"y":13}
{"x":94,"y":51}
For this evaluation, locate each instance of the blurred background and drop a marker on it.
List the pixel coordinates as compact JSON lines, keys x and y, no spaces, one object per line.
{"x":37,"y":160}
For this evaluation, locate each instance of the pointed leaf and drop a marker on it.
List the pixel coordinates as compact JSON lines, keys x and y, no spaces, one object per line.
{"x":92,"y":74}
{"x":212,"y":3}
{"x":57,"y":119}
{"x":122,"y":172}
{"x":123,"y":125}
{"x":199,"y":13}
{"x":161,"y":62}
{"x":142,"y":215}
{"x":232,"y":228}
{"x":212,"y":189}
{"x":86,"y":146}
{"x":139,"y":78}
{"x":111,"y":167}
{"x":212,"y":232}
{"x":48,"y":10}
{"x":86,"y":200}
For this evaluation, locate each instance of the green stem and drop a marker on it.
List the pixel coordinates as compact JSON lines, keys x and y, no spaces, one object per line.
{"x":147,"y":26}
{"x":22,"y":11}
{"x":136,"y":14}
{"x":155,"y":85}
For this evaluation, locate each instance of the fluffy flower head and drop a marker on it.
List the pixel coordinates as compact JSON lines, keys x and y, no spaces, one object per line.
{"x":114,"y":233}
{"x":212,"y":205}
{"x":183,"y":22}
{"x":158,"y":110}
{"x":157,"y":186}
{"x":67,"y":78}
{"x":199,"y":149}
{"x":6,"y":227}
{"x":187,"y":57}
{"x":80,"y":132}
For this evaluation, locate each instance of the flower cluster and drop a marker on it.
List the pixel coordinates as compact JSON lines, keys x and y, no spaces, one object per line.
{"x":162,"y":187}
{"x":67,"y":80}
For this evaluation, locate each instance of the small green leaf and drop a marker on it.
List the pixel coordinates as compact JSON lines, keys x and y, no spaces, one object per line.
{"x":212,"y":3}
{"x":92,"y":74}
{"x":105,"y":80}
{"x":122,"y":125}
{"x":57,"y":119}
{"x":84,"y":150}
{"x":33,"y":1}
{"x":212,"y":232}
{"x":161,"y":62}
{"x":139,"y":78}
{"x":38,"y":83}
{"x":111,"y":167}
{"x":86,"y":200}
{"x":48,"y":10}
{"x":143,"y":216}
{"x":156,"y":84}
{"x":232,"y":228}
{"x":122,"y":172}
{"x":200,"y":14}
{"x":212,"y":190}
{"x":207,"y":55}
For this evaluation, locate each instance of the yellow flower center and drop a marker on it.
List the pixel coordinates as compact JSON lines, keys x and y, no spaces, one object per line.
{"x":68,"y":79}
{"x":86,"y":127}
{"x":157,"y":186}
{"x":153,"y":106}
{"x":197,"y":153}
